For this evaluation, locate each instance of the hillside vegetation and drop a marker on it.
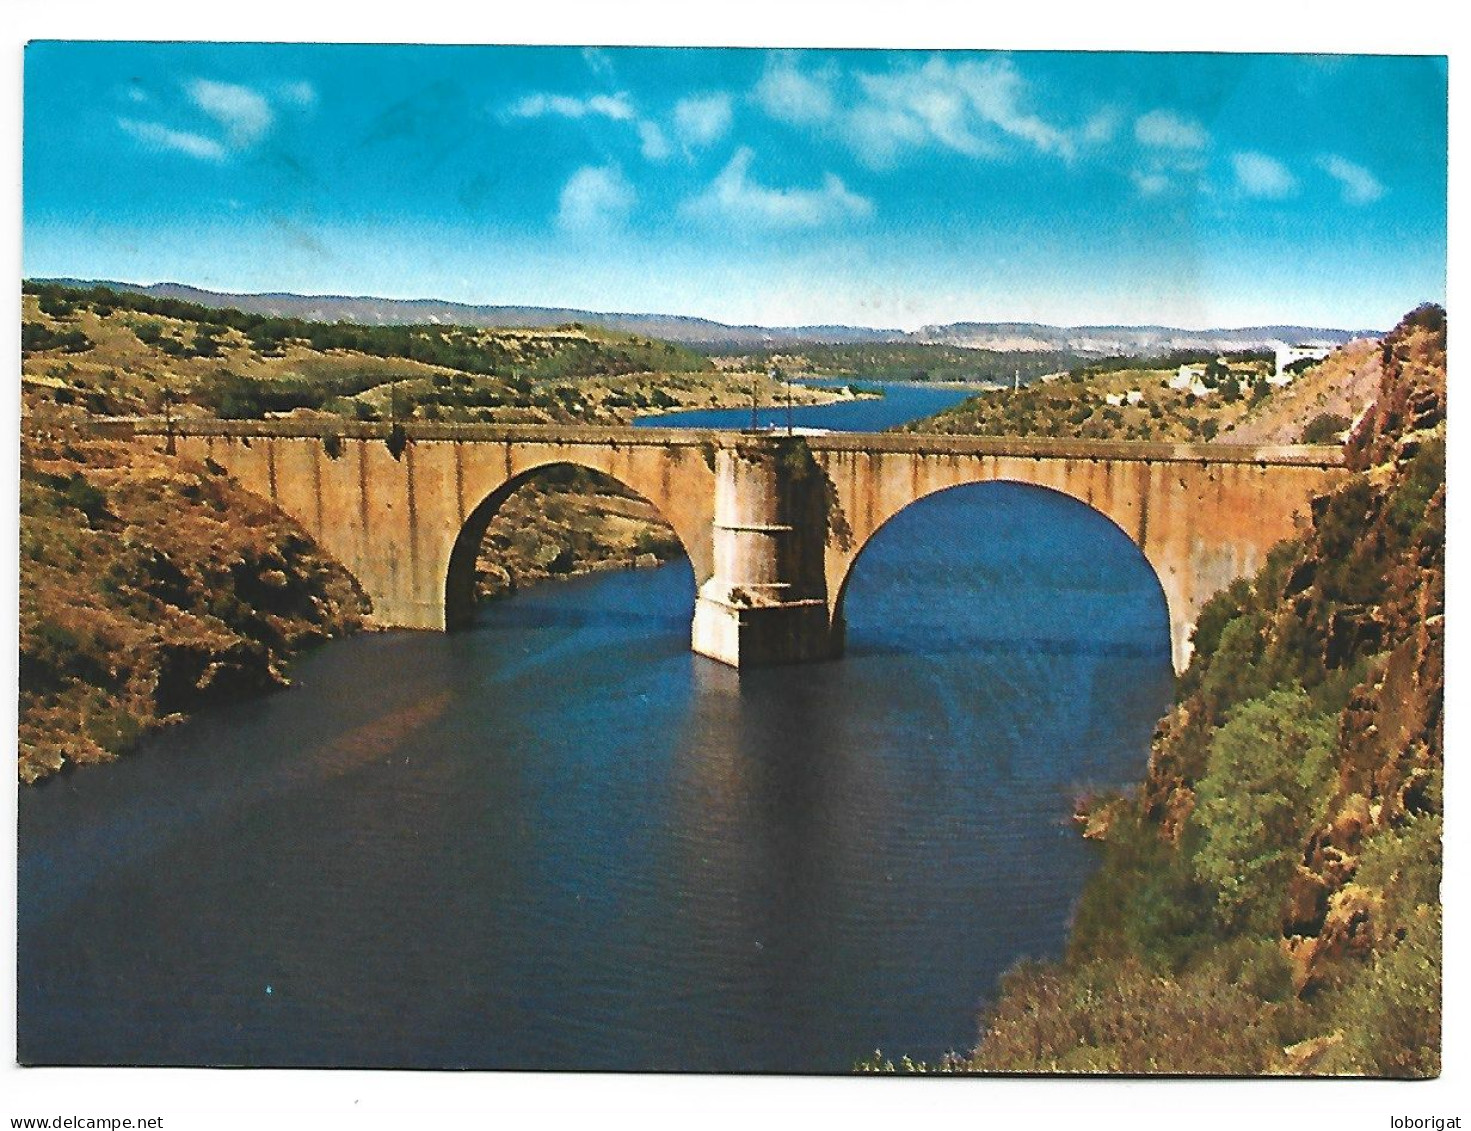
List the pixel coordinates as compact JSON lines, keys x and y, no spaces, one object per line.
{"x":1321,"y":404}
{"x":119,"y":353}
{"x":893,"y":361}
{"x":1269,"y":901}
{"x":1132,"y":399}
{"x":151,"y":586}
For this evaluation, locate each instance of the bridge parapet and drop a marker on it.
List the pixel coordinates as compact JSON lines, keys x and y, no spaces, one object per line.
{"x":911,"y":443}
{"x":293,"y":427}
{"x":1025,"y":447}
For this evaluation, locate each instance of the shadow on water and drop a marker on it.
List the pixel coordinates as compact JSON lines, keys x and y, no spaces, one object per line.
{"x":531,"y":610}
{"x":1000,"y":648}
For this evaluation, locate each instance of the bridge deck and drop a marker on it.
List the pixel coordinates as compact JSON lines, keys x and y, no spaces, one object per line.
{"x":925,"y":444}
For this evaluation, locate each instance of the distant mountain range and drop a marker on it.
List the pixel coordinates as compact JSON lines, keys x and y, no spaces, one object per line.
{"x":1001,"y":336}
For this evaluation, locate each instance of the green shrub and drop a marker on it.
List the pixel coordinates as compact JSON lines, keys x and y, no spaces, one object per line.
{"x":34,"y":337}
{"x":1325,"y":428}
{"x":1143,"y":899}
{"x":1267,"y":781}
{"x":1403,"y":863}
{"x":1118,"y":1016}
{"x":86,"y":498}
{"x":1390,"y":1016}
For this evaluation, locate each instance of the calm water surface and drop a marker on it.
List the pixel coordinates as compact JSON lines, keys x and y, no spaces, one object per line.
{"x":901,"y":403}
{"x":561,"y":840}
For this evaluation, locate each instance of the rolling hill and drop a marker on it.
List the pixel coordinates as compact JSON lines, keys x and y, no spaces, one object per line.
{"x":710,"y":335}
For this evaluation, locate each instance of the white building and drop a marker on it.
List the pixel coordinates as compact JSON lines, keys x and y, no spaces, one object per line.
{"x":1191,"y":379}
{"x":1286,"y":355}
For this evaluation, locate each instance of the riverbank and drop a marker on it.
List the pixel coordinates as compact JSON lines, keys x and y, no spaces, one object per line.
{"x":1269,"y":900}
{"x":568,"y":522}
{"x":734,"y":393}
{"x":149,"y":587}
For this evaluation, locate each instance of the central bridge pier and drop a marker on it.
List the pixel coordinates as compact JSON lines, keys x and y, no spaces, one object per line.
{"x":767,"y":601}
{"x":773,"y":524}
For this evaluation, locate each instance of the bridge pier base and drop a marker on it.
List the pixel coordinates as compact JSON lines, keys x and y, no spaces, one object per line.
{"x":748,"y":636}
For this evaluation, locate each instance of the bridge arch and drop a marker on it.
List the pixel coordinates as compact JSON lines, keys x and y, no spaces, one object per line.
{"x":1200,"y":524}
{"x":459,"y":581}
{"x":850,"y":560}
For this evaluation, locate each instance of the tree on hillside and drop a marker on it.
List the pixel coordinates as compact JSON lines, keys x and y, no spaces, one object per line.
{"x":1269,"y":775}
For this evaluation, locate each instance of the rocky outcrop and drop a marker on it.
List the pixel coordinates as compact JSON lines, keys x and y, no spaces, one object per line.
{"x":1342,"y":951}
{"x":564,"y":526}
{"x":1412,"y":392}
{"x":150,"y":587}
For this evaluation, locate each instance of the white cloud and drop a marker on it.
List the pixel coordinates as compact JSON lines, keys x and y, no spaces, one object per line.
{"x":979,"y":108}
{"x":301,"y":94}
{"x":733,"y":196}
{"x":652,"y":142}
{"x":702,"y":119}
{"x":161,"y":137}
{"x":790,"y":95}
{"x":1173,"y":152}
{"x":1151,"y":183}
{"x":1359,"y":185}
{"x":595,"y":198}
{"x":1260,"y":175}
{"x":614,"y":106}
{"x":244,"y":114}
{"x":1164,"y":129}
{"x":917,"y":107}
{"x":879,"y":135}
{"x":598,"y":61}
{"x":1101,"y":127}
{"x":997,"y":91}
{"x":974,"y":108}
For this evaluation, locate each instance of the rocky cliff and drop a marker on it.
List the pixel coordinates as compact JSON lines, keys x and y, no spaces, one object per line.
{"x":1276,"y":879}
{"x":149,"y":587}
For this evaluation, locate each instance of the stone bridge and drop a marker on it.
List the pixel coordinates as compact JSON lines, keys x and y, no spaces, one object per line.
{"x":772,"y":523}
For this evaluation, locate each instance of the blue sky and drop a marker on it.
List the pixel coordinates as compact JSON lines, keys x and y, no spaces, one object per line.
{"x":869,"y":187}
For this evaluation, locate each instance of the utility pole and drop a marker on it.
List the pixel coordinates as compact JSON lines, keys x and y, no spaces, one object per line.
{"x":774,"y":372}
{"x":168,"y":418}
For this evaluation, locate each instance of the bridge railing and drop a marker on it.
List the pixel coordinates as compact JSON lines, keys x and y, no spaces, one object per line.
{"x":872,"y":443}
{"x":295,"y":427}
{"x":920,"y":443}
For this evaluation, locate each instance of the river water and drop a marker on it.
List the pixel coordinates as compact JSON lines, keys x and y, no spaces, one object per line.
{"x":560,"y":840}
{"x":902,"y":401}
